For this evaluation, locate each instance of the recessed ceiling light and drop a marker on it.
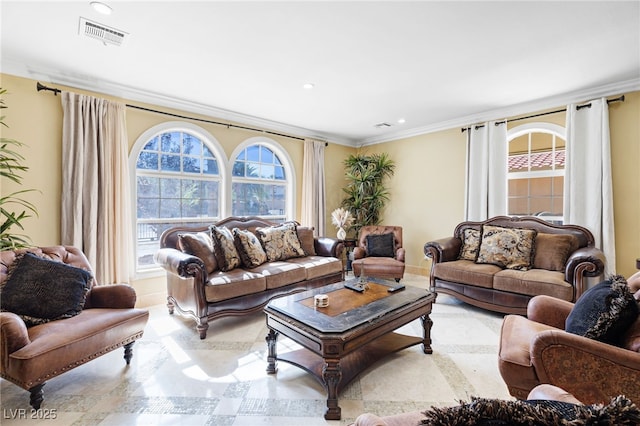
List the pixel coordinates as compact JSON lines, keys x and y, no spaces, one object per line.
{"x":308,"y":86}
{"x":101,"y":7}
{"x":401,"y":120}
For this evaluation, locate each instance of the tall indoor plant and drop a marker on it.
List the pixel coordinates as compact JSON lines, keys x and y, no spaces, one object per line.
{"x":366,"y":190}
{"x":13,"y":208}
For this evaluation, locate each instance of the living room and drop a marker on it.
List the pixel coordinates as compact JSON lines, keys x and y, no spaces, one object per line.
{"x":426,"y":192}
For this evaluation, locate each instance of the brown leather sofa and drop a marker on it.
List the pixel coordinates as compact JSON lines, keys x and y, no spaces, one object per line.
{"x":386,"y":267}
{"x":108,"y":320}
{"x":492,"y":287}
{"x":413,"y":418}
{"x":537,"y":350}
{"x":206,"y":295}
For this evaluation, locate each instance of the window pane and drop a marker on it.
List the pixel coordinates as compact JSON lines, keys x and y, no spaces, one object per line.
{"x":191,"y":164}
{"x":170,"y":207}
{"x":147,"y":161}
{"x":152,"y":145}
{"x":191,"y":145}
{"x":148,"y":187}
{"x":238,"y":168}
{"x":253,"y":153}
{"x":170,"y":188}
{"x":267,"y":155}
{"x":171,"y":142}
{"x":267,"y":172}
{"x":279,"y":173}
{"x":170,"y":163}
{"x":211,"y":167}
{"x":207,"y":152}
{"x":253,"y":170}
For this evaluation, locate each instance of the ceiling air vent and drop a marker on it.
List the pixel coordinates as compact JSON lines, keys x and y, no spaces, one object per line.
{"x":100,"y":32}
{"x":382,"y":125}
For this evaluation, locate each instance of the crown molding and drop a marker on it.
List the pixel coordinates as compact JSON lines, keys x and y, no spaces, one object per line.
{"x":585,"y":95}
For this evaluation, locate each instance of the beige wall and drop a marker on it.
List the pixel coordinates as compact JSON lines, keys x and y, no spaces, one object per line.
{"x":427,"y":191}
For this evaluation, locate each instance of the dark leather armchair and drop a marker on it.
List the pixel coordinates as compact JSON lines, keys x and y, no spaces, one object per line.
{"x":537,"y":350}
{"x":108,"y":320}
{"x":391,"y":267}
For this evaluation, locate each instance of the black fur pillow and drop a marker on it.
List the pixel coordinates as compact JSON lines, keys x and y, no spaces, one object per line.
{"x":382,"y":245}
{"x":604,"y":312}
{"x":41,"y":290}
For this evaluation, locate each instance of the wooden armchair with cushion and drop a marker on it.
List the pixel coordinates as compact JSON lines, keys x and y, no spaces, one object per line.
{"x":55,"y":317}
{"x":379,"y":253}
{"x":589,"y":348}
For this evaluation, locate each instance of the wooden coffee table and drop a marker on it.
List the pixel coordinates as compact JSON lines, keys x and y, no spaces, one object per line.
{"x":343,"y":339}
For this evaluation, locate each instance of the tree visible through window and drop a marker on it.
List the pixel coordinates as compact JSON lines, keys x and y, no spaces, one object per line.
{"x":177,"y":182}
{"x":536,"y":173}
{"x":259,"y":185}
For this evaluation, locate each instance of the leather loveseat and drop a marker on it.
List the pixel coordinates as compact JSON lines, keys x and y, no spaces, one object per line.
{"x":561,"y":257}
{"x":198,"y":288}
{"x":107,"y":320}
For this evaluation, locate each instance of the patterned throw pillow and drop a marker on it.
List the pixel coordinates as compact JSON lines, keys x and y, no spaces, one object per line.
{"x":280,"y":242}
{"x":41,"y":290}
{"x":224,"y":248}
{"x":199,"y":244}
{"x":249,"y":248}
{"x":510,"y":248}
{"x":470,"y":244}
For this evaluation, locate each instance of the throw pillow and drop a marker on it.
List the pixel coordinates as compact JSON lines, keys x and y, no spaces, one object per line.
{"x":199,"y":244}
{"x":510,"y":248}
{"x":41,"y":290}
{"x":470,"y":244}
{"x":307,"y":241}
{"x":604,"y":312}
{"x":553,"y":250}
{"x":224,"y":248}
{"x":249,"y":248}
{"x":280,"y":242}
{"x":382,"y":245}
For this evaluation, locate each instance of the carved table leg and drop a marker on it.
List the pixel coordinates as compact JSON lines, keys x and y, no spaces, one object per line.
{"x":272,"y":339}
{"x":128,"y":352}
{"x":426,"y":327}
{"x":37,"y":396}
{"x":332,"y":374}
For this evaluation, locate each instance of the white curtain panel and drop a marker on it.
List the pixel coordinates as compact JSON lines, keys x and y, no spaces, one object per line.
{"x":96,"y":207}
{"x":313,"y":186}
{"x":486,"y":188}
{"x":588,"y":193}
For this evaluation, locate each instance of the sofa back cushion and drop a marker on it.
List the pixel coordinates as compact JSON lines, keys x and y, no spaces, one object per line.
{"x":553,"y":250}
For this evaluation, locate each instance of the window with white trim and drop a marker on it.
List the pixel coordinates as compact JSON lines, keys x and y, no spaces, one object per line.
{"x":178,"y":181}
{"x":260,"y":183}
{"x":536,"y":171}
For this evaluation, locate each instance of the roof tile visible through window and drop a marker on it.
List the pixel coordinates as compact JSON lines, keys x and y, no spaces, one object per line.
{"x":538,"y":160}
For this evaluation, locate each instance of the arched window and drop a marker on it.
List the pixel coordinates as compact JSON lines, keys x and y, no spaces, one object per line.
{"x":262,"y":181}
{"x":536,"y":171}
{"x":178,"y":181}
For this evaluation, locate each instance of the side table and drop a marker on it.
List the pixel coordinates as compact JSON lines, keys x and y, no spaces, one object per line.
{"x":349,"y":245}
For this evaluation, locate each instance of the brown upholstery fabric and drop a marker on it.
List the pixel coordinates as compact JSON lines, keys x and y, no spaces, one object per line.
{"x":305,"y":235}
{"x":534,"y":282}
{"x":552,"y":250}
{"x":237,"y":282}
{"x":466,"y":271}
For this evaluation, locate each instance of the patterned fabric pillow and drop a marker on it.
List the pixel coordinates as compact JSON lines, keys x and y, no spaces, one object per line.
{"x":470,"y":244}
{"x":510,"y":248}
{"x":41,"y":290}
{"x":224,"y":248}
{"x":199,"y":244}
{"x":249,"y":248}
{"x":280,"y":242}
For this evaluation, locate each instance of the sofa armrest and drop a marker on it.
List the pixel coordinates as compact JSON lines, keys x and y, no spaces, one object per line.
{"x":443,"y":250}
{"x":115,"y":296}
{"x":592,"y":371}
{"x":549,"y":310}
{"x":13,"y":334}
{"x":328,"y":247}
{"x":553,"y":393}
{"x":587,"y":261}
{"x":400,"y":254}
{"x":180,"y":263}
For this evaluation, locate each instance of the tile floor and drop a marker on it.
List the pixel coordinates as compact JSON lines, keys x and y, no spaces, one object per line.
{"x":177,"y":379}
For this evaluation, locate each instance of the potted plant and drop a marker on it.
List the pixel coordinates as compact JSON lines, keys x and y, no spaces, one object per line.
{"x":366,"y":190}
{"x":13,"y":208}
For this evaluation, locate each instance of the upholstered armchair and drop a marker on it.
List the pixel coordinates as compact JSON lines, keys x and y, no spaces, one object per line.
{"x":379,"y":253}
{"x":537,"y":349}
{"x":55,"y":317}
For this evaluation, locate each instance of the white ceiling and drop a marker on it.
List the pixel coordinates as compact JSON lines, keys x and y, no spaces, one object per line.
{"x":436,"y":64}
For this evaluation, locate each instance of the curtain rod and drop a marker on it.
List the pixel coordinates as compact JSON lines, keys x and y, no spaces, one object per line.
{"x":55,"y":91}
{"x":578,"y":107}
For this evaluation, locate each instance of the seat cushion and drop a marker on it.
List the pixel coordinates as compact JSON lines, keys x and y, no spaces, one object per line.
{"x":534,"y":282}
{"x":234,"y":283}
{"x":466,"y":272}
{"x":318,"y":266}
{"x":278,"y":274}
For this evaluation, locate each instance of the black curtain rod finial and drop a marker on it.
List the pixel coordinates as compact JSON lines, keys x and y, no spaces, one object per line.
{"x":40,"y":87}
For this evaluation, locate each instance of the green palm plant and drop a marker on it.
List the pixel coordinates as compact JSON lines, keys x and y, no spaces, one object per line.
{"x":366,"y":192}
{"x":11,"y":168}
